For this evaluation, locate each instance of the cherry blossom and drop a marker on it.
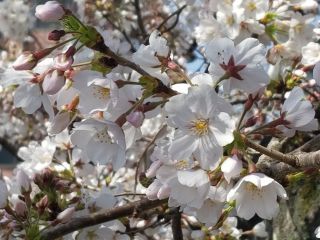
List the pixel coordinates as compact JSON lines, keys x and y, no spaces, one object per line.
{"x":240,"y":67}
{"x":202,"y":126}
{"x":256,"y":193}
{"x":298,"y":114}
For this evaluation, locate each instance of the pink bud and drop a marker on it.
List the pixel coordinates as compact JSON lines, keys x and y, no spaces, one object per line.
{"x":21,"y":208}
{"x":26,"y":61}
{"x":153,"y":189}
{"x":136,"y":118}
{"x":164,"y":192}
{"x":151,"y":172}
{"x":24,"y":181}
{"x":62,"y":62}
{"x":66,"y":215}
{"x":53,"y":82}
{"x":51,"y":11}
{"x":55,"y":35}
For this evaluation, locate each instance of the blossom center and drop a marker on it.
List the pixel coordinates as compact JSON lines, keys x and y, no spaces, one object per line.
{"x":200,"y":126}
{"x":252,"y":6}
{"x":182,"y":165}
{"x":254,"y":190}
{"x":103,"y":136}
{"x":232,"y":70}
{"x":101,"y":93}
{"x":230,"y":20}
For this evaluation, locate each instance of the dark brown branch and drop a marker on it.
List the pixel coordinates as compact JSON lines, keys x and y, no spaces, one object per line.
{"x":140,"y":21}
{"x":100,"y":217}
{"x":177,"y":12}
{"x":101,"y":47}
{"x":176,"y":225}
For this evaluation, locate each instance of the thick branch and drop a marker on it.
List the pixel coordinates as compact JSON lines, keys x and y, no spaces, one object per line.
{"x":176,"y":225}
{"x":100,"y":217}
{"x":301,"y":160}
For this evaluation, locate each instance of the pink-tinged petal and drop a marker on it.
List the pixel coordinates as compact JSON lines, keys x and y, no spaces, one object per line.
{"x":245,"y":206}
{"x":153,"y":190}
{"x":183,"y":145}
{"x":250,"y":50}
{"x":280,"y":190}
{"x":219,"y":50}
{"x":223,"y":128}
{"x":28,"y":97}
{"x":295,"y":96}
{"x":193,"y":178}
{"x":210,"y":212}
{"x":311,"y":126}
{"x":254,"y":78}
{"x":208,"y":153}
{"x":303,"y":114}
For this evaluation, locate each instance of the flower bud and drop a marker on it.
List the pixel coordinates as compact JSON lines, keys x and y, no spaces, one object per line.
{"x":42,"y":204}
{"x":164,"y":192}
{"x":66,"y":215}
{"x":136,"y":118}
{"x":151,"y":172}
{"x":153,"y":189}
{"x":53,"y":82}
{"x":51,"y":11}
{"x":20,"y":208}
{"x":24,"y":181}
{"x":63,"y":61}
{"x":55,"y":35}
{"x":26,"y":61}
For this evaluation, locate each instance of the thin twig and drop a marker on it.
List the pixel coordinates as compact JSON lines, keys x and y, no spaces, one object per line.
{"x":177,"y":12}
{"x":139,"y":17}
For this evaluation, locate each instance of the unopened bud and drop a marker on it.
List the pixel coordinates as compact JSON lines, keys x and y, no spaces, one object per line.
{"x":136,"y":118}
{"x":42,"y":204}
{"x":50,"y":11}
{"x":62,"y":62}
{"x":55,"y":35}
{"x":251,"y":121}
{"x":151,"y":172}
{"x":164,"y":192}
{"x":20,"y":208}
{"x":66,"y":215}
{"x":23,"y":181}
{"x":53,"y":82}
{"x":26,"y":61}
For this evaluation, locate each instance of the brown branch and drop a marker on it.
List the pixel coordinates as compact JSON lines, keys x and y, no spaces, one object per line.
{"x":176,"y":225}
{"x":161,"y":88}
{"x":177,"y":12}
{"x":100,"y":217}
{"x":140,"y":21}
{"x":301,"y":160}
